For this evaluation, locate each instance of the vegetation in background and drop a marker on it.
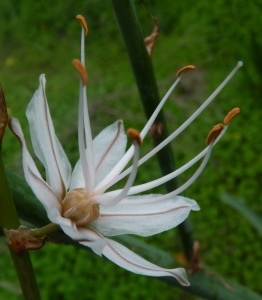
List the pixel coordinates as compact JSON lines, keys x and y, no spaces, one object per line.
{"x":43,"y":37}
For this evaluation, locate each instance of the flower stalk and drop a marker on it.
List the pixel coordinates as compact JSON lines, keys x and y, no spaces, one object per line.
{"x":143,"y":70}
{"x":40,"y":232}
{"x":9,"y":220}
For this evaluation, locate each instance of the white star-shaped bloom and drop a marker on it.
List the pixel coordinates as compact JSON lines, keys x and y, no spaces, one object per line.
{"x":78,"y":201}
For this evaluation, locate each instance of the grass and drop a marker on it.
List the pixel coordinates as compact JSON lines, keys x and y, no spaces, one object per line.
{"x":35,"y":40}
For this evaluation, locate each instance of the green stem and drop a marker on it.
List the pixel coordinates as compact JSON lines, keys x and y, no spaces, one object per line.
{"x":143,"y":70}
{"x":40,"y":232}
{"x":9,"y":220}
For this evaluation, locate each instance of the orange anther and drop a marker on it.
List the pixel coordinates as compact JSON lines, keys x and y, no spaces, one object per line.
{"x":214,"y":133}
{"x":83,"y":23}
{"x":231,"y":115}
{"x":81,"y":70}
{"x":134,"y":135}
{"x":185,"y":69}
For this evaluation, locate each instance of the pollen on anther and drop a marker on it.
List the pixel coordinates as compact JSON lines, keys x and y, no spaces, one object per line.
{"x":81,"y":70}
{"x":185,"y":69}
{"x":231,"y":115}
{"x":83,"y":23}
{"x":134,"y":135}
{"x":214,"y":133}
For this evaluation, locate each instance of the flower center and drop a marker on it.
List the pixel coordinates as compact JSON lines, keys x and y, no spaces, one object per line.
{"x":77,"y":207}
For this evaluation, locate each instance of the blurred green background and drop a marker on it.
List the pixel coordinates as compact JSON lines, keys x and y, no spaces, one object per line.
{"x":43,"y":37}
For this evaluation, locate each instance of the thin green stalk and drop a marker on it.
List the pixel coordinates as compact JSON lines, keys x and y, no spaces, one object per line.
{"x":143,"y":70}
{"x":50,"y":228}
{"x":9,"y":220}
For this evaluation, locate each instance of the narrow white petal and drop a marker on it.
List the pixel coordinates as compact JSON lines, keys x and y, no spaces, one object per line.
{"x":109,"y":148}
{"x":122,"y":194}
{"x":46,"y":145}
{"x":41,"y":189}
{"x":130,"y":261}
{"x":143,"y":219}
{"x":86,"y":236}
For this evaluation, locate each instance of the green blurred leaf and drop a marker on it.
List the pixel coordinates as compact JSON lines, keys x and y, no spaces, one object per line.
{"x":254,"y":219}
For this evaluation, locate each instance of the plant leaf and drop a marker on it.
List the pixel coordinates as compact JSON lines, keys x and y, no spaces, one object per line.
{"x":254,"y":219}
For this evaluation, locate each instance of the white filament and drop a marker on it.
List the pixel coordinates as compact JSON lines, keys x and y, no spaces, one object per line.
{"x":178,"y":190}
{"x":157,"y":110}
{"x":123,"y":193}
{"x":84,"y":131}
{"x":87,"y":134}
{"x":81,"y":143}
{"x":125,"y":159}
{"x":189,"y":182}
{"x":82,"y":49}
{"x":152,"y":184}
{"x":119,"y":167}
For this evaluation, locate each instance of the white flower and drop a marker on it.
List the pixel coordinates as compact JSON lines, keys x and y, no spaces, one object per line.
{"x":78,"y":202}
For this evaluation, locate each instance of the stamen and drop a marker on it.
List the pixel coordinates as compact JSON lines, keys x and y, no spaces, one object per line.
{"x":107,"y":181}
{"x":81,"y":144}
{"x":84,"y":129}
{"x":125,"y":159}
{"x":185,"y":69}
{"x":182,"y":187}
{"x":214,"y":133}
{"x":152,"y":184}
{"x":231,"y":115}
{"x":134,"y":136}
{"x":81,"y":70}
{"x":83,"y":23}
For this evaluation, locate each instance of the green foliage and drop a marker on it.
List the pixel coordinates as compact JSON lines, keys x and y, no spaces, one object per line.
{"x":42,"y":37}
{"x":254,"y":219}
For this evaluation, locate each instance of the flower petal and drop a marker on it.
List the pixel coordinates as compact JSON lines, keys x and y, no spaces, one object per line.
{"x":130,"y":261}
{"x":143,"y":219}
{"x":109,"y":148}
{"x":41,"y":189}
{"x":86,"y":236}
{"x":46,"y":145}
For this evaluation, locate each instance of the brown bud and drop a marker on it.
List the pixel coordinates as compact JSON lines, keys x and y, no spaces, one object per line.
{"x":150,"y":40}
{"x":156,"y":130}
